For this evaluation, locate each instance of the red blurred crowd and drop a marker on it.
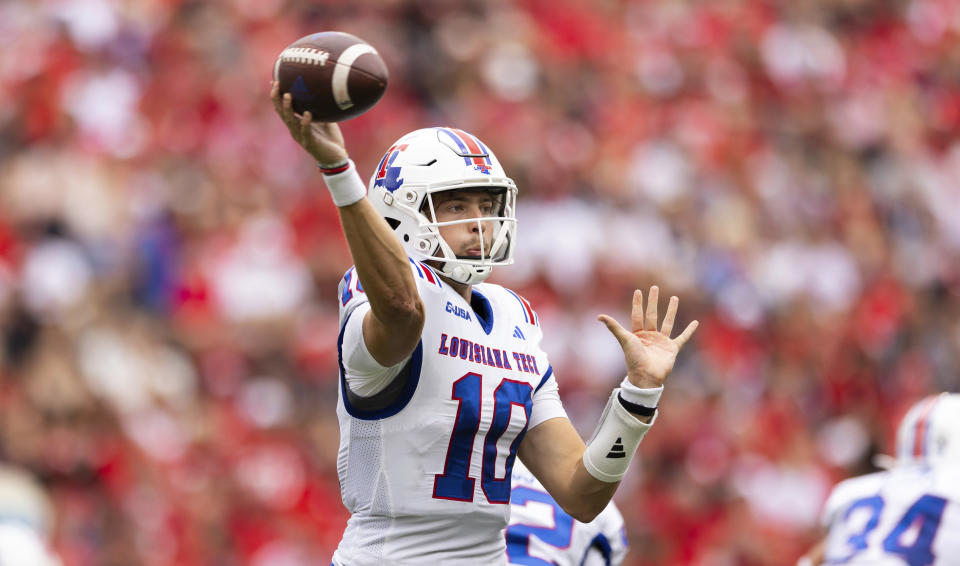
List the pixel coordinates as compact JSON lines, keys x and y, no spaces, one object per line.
{"x":169,"y":258}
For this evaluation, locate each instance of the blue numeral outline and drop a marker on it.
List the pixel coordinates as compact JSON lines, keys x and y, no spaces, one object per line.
{"x":455,"y":482}
{"x":858,"y":542}
{"x":928,"y":511}
{"x":518,"y":535}
{"x":347,"y":291}
{"x":507,"y":394}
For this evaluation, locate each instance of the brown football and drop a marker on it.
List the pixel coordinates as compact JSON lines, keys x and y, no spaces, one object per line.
{"x":334,"y":75}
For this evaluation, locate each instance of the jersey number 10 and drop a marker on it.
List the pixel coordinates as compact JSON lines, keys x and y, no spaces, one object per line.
{"x":455,"y":482}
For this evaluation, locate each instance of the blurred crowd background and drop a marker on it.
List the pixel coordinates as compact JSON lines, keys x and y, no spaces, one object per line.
{"x":169,"y":258}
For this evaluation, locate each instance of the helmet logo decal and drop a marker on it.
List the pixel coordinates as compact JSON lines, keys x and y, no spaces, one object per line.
{"x":471,"y":149}
{"x":388,"y":176}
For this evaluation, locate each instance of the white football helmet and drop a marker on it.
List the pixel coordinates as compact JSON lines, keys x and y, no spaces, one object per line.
{"x":929,"y":433}
{"x":431,"y":160}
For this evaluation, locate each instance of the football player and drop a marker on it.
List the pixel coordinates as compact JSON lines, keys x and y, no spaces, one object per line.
{"x":541,"y":533}
{"x":442,"y":378}
{"x":909,"y":514}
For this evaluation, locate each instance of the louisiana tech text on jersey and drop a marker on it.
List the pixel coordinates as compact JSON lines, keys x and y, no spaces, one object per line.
{"x":485,"y":355}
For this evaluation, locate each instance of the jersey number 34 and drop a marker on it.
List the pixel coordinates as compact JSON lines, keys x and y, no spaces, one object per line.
{"x":922,"y":520}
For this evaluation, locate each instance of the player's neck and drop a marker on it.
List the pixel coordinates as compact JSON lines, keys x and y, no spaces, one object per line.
{"x":462,"y":289}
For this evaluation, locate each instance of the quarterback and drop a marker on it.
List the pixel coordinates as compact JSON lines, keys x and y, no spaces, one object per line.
{"x":443,"y":382}
{"x":910,"y":514}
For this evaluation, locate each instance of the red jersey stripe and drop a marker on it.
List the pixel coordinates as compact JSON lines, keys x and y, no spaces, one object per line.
{"x":528,"y":308}
{"x":428,"y":274}
{"x":920,"y":429}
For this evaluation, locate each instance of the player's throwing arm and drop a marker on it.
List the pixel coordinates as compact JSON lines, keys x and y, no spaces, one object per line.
{"x":393,"y":329}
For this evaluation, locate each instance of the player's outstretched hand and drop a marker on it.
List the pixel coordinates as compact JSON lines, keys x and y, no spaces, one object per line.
{"x":649,"y":353}
{"x":322,"y":140}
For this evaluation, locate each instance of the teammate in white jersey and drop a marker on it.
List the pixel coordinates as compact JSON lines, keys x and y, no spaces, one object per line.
{"x":26,"y":520}
{"x":541,"y":533}
{"x":443,"y":381}
{"x":910,"y":514}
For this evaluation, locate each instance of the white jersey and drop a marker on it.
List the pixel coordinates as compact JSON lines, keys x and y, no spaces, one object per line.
{"x":907,"y":516}
{"x":425,"y":465}
{"x":23,"y":545}
{"x":541,"y":533}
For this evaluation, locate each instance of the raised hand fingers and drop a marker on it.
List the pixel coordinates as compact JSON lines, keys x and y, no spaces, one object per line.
{"x":275,"y":96}
{"x":619,"y":332}
{"x":668,"y":318}
{"x":283,"y":103}
{"x":650,"y":321}
{"x":636,"y":313}
{"x":305,"y":124}
{"x":283,"y":106}
{"x":686,"y":334}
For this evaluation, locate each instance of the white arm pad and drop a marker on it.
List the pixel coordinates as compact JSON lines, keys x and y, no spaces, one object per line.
{"x":613,"y":444}
{"x":346,"y":187}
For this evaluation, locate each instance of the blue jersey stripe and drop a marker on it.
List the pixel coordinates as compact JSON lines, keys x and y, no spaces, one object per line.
{"x":420,"y":273}
{"x":405,"y":396}
{"x":546,"y":376}
{"x":436,"y":277}
{"x":600,"y":543}
{"x":523,"y":307}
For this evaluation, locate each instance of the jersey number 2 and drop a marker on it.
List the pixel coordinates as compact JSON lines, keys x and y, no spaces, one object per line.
{"x":455,"y":482}
{"x":925,"y":515}
{"x":518,"y":535}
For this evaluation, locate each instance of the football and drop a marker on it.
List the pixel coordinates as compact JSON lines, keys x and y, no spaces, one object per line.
{"x":334,"y":75}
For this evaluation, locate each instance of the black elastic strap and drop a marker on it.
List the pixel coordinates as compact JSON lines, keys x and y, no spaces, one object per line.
{"x":635,"y":408}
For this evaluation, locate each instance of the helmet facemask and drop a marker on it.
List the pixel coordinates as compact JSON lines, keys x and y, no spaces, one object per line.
{"x":501,"y":223}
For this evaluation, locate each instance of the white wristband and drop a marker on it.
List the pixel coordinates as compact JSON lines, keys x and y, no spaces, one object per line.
{"x":640,"y":396}
{"x":346,"y":187}
{"x":612,"y":446}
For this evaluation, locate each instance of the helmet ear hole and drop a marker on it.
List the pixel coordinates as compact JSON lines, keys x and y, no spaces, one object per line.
{"x":406,"y":237}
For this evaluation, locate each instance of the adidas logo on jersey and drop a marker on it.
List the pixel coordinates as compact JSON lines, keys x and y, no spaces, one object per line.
{"x":517,"y":333}
{"x":617,"y":451}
